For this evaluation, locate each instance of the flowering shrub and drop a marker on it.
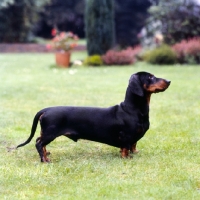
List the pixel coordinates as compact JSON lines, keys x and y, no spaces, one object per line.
{"x":63,"y":41}
{"x":124,"y":57}
{"x":136,"y":52}
{"x":188,"y":51}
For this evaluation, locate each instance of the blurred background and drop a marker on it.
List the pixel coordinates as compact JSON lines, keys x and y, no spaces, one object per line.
{"x":23,"y":21}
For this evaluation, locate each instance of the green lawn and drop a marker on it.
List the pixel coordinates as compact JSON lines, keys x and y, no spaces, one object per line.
{"x":167,"y":166}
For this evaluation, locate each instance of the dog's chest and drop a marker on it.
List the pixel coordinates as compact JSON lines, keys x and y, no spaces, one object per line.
{"x":136,"y":125}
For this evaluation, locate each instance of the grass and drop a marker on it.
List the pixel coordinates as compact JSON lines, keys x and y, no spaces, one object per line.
{"x":167,"y":167}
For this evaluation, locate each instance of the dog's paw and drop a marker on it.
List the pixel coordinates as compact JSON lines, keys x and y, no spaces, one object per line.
{"x":45,"y":160}
{"x":135,"y":151}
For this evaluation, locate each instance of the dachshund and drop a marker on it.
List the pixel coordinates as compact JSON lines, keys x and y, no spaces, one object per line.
{"x":119,"y":126}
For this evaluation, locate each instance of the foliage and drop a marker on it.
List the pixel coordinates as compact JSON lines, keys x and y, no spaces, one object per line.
{"x":167,"y":166}
{"x":63,"y":41}
{"x":6,"y":3}
{"x":17,"y":18}
{"x":94,"y":60}
{"x":136,"y":51}
{"x":37,"y":3}
{"x":130,"y":17}
{"x":64,"y":15}
{"x":162,"y":55}
{"x":123,"y":57}
{"x":178,"y":20}
{"x":68,"y":15}
{"x":99,"y":20}
{"x":188,"y":51}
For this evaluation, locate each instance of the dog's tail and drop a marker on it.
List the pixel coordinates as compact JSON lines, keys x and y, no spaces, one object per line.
{"x":33,"y":129}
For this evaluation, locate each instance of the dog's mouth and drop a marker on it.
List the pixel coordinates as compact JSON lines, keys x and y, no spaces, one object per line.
{"x":158,"y":91}
{"x":161,"y":90}
{"x":167,"y":84}
{"x":158,"y":87}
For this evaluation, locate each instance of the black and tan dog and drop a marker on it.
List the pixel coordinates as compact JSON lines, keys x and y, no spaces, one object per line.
{"x":120,"y":125}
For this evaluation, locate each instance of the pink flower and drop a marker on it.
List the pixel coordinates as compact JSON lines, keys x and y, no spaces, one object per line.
{"x":53,"y":32}
{"x":62,"y":35}
{"x":76,"y":37}
{"x":64,"y":41}
{"x":48,"y":46}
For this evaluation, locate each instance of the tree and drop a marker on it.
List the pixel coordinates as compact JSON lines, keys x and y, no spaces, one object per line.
{"x":65,"y":15}
{"x":99,"y":22}
{"x":179,"y":19}
{"x":6,"y":3}
{"x":130,"y":18}
{"x":16,"y":19}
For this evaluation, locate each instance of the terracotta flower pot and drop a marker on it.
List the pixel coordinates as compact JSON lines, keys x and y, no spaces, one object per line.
{"x":63,"y":59}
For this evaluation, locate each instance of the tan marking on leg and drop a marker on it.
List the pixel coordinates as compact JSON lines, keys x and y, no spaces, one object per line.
{"x":133,"y":149}
{"x":124,"y":152}
{"x":45,"y":159}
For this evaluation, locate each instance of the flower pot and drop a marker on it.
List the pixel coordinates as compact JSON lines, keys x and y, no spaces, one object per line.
{"x":63,"y":59}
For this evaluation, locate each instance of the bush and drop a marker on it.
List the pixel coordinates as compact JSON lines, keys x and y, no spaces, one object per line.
{"x":124,"y":57}
{"x":188,"y":51}
{"x":99,"y":23}
{"x":94,"y":60}
{"x":163,"y":55}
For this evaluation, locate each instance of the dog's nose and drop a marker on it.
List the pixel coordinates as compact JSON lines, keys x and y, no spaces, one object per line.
{"x":168,"y":82}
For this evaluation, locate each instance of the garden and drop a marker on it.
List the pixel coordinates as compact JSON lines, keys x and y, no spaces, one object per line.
{"x":166,"y":167}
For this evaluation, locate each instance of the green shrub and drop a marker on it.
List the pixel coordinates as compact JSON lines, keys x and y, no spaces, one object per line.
{"x":162,"y":55}
{"x":94,"y":60}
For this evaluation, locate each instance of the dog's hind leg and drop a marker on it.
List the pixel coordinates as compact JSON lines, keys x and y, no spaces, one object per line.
{"x":40,"y":149}
{"x":47,"y":152}
{"x":41,"y":143}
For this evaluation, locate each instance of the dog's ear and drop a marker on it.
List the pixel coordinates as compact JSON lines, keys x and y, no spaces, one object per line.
{"x":135,"y":85}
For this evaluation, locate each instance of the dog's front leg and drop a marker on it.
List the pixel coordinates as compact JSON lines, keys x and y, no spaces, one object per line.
{"x":133,"y":148}
{"x":124,"y":152}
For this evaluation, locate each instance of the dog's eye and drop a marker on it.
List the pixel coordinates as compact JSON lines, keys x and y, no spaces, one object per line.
{"x":151,"y":77}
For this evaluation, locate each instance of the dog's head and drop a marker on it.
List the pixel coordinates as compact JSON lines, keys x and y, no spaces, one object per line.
{"x":144,"y":82}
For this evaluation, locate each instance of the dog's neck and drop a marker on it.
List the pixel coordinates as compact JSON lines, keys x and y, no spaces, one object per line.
{"x":148,"y":97}
{"x":134,"y":102}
